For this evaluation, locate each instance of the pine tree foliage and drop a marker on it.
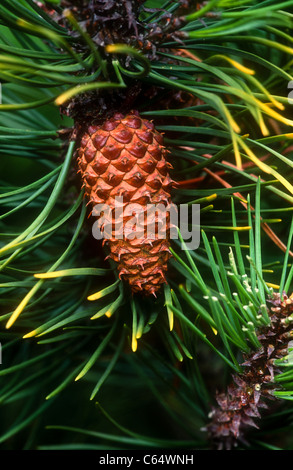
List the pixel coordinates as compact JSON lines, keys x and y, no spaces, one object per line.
{"x":78,"y":351}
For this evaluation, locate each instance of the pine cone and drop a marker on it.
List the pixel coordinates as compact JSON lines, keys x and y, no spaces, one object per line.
{"x":239,"y":408}
{"x":125,"y":158}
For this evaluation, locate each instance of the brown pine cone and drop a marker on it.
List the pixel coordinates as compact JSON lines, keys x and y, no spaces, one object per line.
{"x":125,"y":158}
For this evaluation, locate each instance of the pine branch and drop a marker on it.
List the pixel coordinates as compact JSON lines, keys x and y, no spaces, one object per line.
{"x":213,"y":78}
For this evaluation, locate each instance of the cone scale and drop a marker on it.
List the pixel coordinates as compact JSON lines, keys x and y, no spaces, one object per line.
{"x":124,"y":159}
